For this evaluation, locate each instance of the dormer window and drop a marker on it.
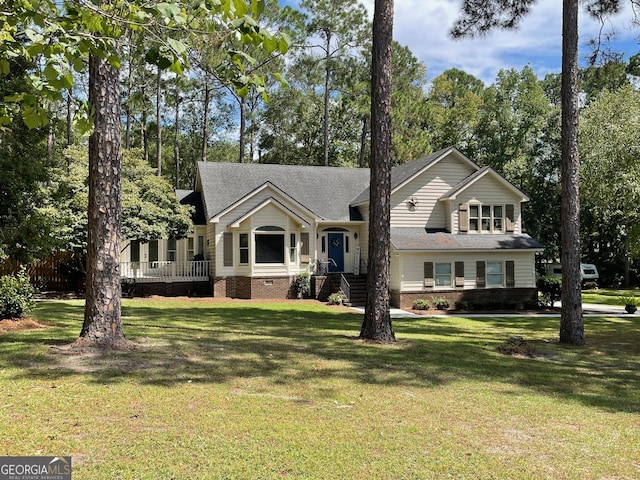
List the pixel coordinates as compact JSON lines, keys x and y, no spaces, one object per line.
{"x":486,"y":218}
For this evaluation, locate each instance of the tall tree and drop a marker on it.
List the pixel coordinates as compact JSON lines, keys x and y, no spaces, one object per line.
{"x":376,"y":324}
{"x":100,"y":25}
{"x":571,"y":321}
{"x":102,"y":323}
{"x":481,"y":16}
{"x":342,"y":28}
{"x":609,"y":148}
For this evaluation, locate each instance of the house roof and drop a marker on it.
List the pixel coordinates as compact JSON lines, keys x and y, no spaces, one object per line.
{"x":193,"y":198}
{"x":419,"y":239}
{"x":401,"y":174}
{"x":325,"y":191}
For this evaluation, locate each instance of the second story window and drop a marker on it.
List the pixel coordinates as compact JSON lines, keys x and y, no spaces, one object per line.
{"x":486,"y":218}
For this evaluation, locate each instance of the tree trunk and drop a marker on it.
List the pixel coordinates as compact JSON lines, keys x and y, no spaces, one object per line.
{"x":325,"y":125}
{"x":102,"y":320}
{"x":571,"y":321}
{"x":363,"y":140}
{"x":205,"y":121}
{"x":143,"y":130}
{"x":243,"y":127}
{"x":176,"y":137}
{"x":159,"y":123}
{"x":377,"y":318}
{"x":69,"y":117}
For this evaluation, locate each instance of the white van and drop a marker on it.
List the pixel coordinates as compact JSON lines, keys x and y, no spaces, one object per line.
{"x":588,"y":271}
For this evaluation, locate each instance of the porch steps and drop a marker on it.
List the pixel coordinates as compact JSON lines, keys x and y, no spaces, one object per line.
{"x":358,"y":285}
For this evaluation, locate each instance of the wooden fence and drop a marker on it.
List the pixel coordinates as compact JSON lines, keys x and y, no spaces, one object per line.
{"x":62,"y":271}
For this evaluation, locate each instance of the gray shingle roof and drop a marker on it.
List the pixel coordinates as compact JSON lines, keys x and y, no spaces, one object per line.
{"x":405,"y":238}
{"x":193,"y":198}
{"x":325,"y":191}
{"x":401,"y":173}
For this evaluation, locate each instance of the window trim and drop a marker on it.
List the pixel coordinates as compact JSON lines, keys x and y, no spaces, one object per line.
{"x":243,"y":250}
{"x":265,"y":232}
{"x":490,"y":275}
{"x":482,"y":218}
{"x":442,"y":276}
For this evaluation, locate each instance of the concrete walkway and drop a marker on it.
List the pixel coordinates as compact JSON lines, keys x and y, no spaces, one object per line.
{"x":588,"y":310}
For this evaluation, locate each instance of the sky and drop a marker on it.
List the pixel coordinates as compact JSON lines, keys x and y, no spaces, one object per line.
{"x":423,"y":26}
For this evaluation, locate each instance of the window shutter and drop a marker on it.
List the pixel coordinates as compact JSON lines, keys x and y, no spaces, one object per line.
{"x":510,"y":273}
{"x":304,"y":247}
{"x":463,"y":217}
{"x":509,"y":211}
{"x":227,"y":240}
{"x":459,"y":274}
{"x":481,"y":281}
{"x":428,"y":274}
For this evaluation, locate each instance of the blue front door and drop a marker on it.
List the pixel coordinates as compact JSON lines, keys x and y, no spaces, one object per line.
{"x":336,"y":252}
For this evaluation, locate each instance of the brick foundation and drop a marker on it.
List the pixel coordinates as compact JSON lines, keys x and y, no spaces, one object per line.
{"x":253,"y":287}
{"x":521,"y":296}
{"x":176,"y":289}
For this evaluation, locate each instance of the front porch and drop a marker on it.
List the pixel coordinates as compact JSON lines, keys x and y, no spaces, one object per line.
{"x":168,"y":272}
{"x":169,"y":279}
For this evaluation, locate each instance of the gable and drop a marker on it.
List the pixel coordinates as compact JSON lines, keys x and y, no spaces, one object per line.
{"x":416,"y":201}
{"x":486,"y":186}
{"x":407,"y":172}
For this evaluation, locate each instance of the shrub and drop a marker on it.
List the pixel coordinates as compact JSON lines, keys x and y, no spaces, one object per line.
{"x":336,"y":298}
{"x":421,"y":304}
{"x":440,"y":303}
{"x":302,"y":284}
{"x":16,"y":295}
{"x":463,"y":305}
{"x":550,"y":287}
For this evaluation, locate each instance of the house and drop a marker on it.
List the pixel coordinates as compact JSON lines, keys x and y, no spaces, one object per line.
{"x":456,"y":232}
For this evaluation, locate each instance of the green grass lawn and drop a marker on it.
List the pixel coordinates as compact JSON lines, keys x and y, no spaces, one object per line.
{"x":252,"y":390}
{"x":608,"y":296}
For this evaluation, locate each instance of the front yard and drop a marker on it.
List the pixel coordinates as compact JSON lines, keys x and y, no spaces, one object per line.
{"x":283,"y":390}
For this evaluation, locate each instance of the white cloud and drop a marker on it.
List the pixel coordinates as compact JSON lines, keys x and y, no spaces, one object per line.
{"x":423,"y":26}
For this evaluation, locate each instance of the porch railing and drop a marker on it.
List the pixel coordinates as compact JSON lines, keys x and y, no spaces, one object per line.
{"x":166,"y":271}
{"x":345,"y":287}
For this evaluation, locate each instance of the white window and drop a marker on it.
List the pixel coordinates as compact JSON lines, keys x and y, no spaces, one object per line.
{"x":244,"y":248}
{"x":474,"y":217}
{"x":190,"y":248}
{"x":292,"y":248}
{"x":443,"y":274}
{"x":486,"y":218}
{"x":171,"y":250}
{"x":497,"y":218}
{"x":269,"y":243}
{"x":494,"y":274}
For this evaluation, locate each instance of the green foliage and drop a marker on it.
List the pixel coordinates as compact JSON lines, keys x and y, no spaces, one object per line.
{"x":16,"y":295}
{"x":421,"y":304}
{"x":610,"y":173}
{"x":302,"y":283}
{"x":336,"y":298}
{"x":550,"y":287}
{"x":440,"y":303}
{"x":150,"y":208}
{"x":82,"y":29}
{"x":629,"y":299}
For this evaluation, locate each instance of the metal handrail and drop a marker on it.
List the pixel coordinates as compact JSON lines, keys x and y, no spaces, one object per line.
{"x":345,"y":287}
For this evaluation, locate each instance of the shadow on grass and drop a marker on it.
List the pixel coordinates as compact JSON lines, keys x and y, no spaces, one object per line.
{"x":288,"y":344}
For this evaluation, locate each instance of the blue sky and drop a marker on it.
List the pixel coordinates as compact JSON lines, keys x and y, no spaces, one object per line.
{"x":423,"y":26}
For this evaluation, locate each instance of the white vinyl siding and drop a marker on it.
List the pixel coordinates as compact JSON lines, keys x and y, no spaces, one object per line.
{"x":271,"y":215}
{"x":427,"y":188}
{"x":412,"y":276}
{"x":487,"y":192}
